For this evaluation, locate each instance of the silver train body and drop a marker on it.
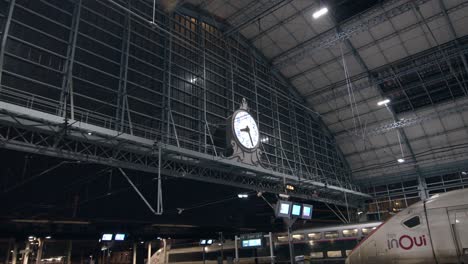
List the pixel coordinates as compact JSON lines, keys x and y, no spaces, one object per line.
{"x":431,"y":231}
{"x":328,"y":244}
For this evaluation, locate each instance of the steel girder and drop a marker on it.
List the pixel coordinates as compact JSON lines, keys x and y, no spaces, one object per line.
{"x":30,"y":132}
{"x":332,"y":37}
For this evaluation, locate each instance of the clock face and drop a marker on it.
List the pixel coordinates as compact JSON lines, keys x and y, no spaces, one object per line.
{"x":245,"y":129}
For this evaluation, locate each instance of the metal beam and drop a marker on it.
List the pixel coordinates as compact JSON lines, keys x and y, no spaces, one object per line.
{"x":25,"y":133}
{"x":6,"y":31}
{"x":137,"y":191}
{"x":290,"y":18}
{"x":353,"y":27}
{"x":261,"y":11}
{"x":401,"y":132}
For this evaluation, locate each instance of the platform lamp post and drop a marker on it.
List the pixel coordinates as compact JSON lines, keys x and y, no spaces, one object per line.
{"x":203,"y":244}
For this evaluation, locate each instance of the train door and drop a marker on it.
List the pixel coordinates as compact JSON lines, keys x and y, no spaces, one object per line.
{"x":459,"y":223}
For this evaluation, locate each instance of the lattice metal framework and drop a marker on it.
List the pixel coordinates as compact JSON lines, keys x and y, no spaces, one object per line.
{"x":90,"y":65}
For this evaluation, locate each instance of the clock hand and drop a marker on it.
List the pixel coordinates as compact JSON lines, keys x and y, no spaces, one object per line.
{"x":251,"y":141}
{"x":247,"y":129}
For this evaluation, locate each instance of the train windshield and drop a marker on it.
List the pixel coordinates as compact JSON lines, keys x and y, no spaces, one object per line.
{"x":412,"y":222}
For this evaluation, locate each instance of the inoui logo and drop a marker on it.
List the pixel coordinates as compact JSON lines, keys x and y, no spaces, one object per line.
{"x":406,"y":242}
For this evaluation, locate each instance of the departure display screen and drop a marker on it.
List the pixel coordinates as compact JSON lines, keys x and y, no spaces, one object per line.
{"x":296,"y":210}
{"x":257,"y":242}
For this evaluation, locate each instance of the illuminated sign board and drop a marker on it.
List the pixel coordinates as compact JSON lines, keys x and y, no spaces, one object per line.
{"x":283,"y":209}
{"x":307,"y":211}
{"x":256,"y":242}
{"x":119,"y":237}
{"x":288,"y":209}
{"x":206,"y":242}
{"x":296,"y":210}
{"x":107,"y":237}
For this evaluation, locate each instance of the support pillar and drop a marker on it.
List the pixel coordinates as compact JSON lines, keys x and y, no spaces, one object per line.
{"x":69,"y":251}
{"x":67,"y":81}
{"x":134,"y":252}
{"x":39,"y":250}
{"x":14,"y":255}
{"x":422,"y":188}
{"x":26,"y":253}
{"x":5,"y":37}
{"x":149,"y":253}
{"x":7,"y":256}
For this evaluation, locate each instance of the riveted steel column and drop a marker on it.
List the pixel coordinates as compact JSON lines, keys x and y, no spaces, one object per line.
{"x":5,"y":37}
{"x":67,"y":81}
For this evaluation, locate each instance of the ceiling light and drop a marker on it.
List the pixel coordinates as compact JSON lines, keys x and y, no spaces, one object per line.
{"x":400,"y":160}
{"x":242,"y":195}
{"x":464,"y":173}
{"x":383,"y":102}
{"x":322,"y":11}
{"x":48,"y":237}
{"x":90,"y":133}
{"x":360,"y":212}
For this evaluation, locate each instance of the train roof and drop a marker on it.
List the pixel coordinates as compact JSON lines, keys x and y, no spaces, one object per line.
{"x":448,"y":199}
{"x":337,"y":227}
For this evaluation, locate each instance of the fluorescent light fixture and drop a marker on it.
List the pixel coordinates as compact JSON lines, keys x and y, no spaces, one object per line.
{"x":107,"y":237}
{"x":242,"y":195}
{"x":284,"y":196}
{"x":383,"y":102}
{"x":90,"y":133}
{"x":322,"y":11}
{"x":400,"y":160}
{"x":119,"y":237}
{"x":48,"y":237}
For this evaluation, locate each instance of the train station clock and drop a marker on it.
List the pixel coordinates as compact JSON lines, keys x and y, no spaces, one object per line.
{"x":243,"y":136}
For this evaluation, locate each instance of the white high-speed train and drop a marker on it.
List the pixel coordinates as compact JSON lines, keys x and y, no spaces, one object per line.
{"x":431,"y":231}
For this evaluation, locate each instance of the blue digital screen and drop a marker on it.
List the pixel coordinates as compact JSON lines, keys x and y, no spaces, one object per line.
{"x":296,"y":210}
{"x":120,"y":237}
{"x":257,"y":242}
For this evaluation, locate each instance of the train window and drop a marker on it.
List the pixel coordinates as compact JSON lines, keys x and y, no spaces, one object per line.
{"x":331,"y":234}
{"x":315,"y":236}
{"x":334,"y":254}
{"x":298,"y":237}
{"x":412,"y":222}
{"x":367,"y":230}
{"x":350,"y":232}
{"x":283,"y":239}
{"x":316,"y":254}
